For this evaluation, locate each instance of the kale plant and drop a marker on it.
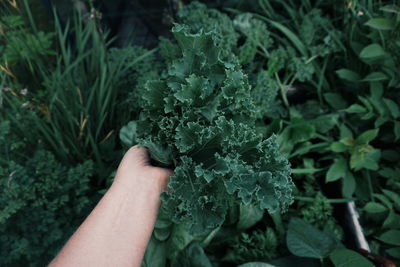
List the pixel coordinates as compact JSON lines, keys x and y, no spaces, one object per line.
{"x":201,"y":118}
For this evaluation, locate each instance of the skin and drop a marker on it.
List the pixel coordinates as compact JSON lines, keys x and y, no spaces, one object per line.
{"x":118,"y":229}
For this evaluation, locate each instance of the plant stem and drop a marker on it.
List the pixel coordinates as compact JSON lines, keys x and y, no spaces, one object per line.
{"x":283,"y":91}
{"x":330,"y":200}
{"x":370,"y":189}
{"x":277,"y":219}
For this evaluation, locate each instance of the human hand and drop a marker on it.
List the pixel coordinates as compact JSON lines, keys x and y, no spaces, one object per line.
{"x":135,"y":170}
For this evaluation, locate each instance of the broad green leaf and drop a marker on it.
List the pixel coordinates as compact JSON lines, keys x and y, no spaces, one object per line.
{"x":385,"y":200}
{"x":325,"y":123}
{"x":302,"y":132}
{"x":162,"y":234}
{"x":348,"y":185}
{"x":156,"y":254}
{"x":366,"y":102}
{"x":180,"y":238}
{"x":388,"y":172}
{"x":379,"y":107}
{"x":347,"y":141}
{"x":376,"y":89}
{"x":391,"y":237}
{"x":348,"y":75}
{"x":249,"y":216}
{"x":393,"y":196}
{"x":392,"y":221}
{"x":393,"y":107}
{"x":348,"y":258}
{"x":338,"y":147}
{"x":163,"y":219}
{"x":256,"y":264}
{"x":381,"y":23}
{"x":391,"y":9}
{"x":335,"y":100}
{"x":345,"y":132}
{"x":380,"y":121}
{"x":364,"y":156}
{"x":367,"y":136}
{"x":193,"y":255}
{"x":368,"y":116}
{"x":374,"y":207}
{"x":372,"y":53}
{"x":394,"y":252}
{"x":375,"y":77}
{"x":355,"y":108}
{"x":337,"y":170}
{"x":304,"y":240}
{"x":127,"y":134}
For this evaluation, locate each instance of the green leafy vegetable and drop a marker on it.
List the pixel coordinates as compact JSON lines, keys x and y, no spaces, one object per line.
{"x":201,"y":119}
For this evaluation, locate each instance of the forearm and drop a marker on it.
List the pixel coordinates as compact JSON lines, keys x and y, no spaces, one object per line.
{"x":110,"y":236}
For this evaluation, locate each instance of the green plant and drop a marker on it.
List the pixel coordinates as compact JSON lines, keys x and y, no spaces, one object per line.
{"x":42,"y":202}
{"x":372,"y":116}
{"x":319,"y":213}
{"x":73,"y":103}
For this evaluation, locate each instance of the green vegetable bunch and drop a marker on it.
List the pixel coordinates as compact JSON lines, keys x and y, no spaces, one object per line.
{"x":200,"y":117}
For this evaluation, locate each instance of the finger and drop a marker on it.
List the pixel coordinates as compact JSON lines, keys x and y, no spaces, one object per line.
{"x":139,"y":155}
{"x":143,"y":155}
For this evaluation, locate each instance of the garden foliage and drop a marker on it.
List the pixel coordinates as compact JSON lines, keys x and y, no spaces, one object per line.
{"x":235,"y":94}
{"x":42,"y":202}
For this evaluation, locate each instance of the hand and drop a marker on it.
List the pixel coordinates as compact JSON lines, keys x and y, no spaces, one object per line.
{"x":135,"y":169}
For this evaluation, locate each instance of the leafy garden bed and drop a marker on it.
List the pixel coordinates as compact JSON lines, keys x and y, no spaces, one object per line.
{"x":272,"y":114}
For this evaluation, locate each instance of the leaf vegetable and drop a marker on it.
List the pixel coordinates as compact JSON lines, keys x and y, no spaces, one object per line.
{"x":200,"y":117}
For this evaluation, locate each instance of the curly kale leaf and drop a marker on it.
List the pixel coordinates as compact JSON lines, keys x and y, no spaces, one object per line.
{"x":201,"y":118}
{"x":200,"y":17}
